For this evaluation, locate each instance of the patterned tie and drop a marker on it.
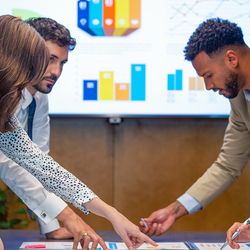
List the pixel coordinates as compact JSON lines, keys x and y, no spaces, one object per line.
{"x":31,"y":112}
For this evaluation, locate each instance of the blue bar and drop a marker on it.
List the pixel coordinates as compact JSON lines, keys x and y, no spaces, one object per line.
{"x":112,"y":245}
{"x":83,"y":16}
{"x":95,"y":17}
{"x":138,"y":82}
{"x":191,"y":245}
{"x":171,"y":82}
{"x":90,"y":90}
{"x":178,"y":79}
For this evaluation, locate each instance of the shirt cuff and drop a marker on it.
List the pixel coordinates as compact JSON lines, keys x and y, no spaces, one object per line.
{"x":50,"y":227}
{"x":190,"y":203}
{"x":50,"y":208}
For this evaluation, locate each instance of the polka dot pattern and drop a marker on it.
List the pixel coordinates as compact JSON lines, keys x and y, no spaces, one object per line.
{"x":17,"y":146}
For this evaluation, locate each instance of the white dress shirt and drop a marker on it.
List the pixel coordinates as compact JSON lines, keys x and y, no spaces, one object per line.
{"x":25,"y":185}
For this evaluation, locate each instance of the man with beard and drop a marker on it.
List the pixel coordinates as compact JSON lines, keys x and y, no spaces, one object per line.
{"x":59,"y":42}
{"x":218,"y":54}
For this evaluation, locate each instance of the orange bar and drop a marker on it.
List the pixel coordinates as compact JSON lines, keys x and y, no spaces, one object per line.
{"x":108,"y":17}
{"x":192,"y":81}
{"x":122,"y":91}
{"x":134,"y":17}
{"x":200,"y":83}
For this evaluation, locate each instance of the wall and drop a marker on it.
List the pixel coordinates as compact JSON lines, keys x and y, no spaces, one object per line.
{"x":144,"y":164}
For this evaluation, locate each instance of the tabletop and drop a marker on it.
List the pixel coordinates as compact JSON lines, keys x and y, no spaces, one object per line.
{"x":13,"y":238}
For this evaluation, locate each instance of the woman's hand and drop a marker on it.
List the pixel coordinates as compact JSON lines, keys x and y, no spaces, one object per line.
{"x":130,"y":233}
{"x":82,"y":232}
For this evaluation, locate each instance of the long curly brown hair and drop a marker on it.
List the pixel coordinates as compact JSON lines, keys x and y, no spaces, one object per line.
{"x":23,"y":60}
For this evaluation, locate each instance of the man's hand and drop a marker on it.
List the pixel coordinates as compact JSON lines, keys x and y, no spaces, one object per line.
{"x":244,"y":235}
{"x":161,"y":220}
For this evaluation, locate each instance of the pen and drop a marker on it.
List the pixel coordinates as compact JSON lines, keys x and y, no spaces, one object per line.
{"x":236,"y":233}
{"x":144,"y":223}
{"x":36,"y":246}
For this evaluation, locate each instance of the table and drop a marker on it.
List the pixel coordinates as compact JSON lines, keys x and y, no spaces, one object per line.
{"x":13,"y":238}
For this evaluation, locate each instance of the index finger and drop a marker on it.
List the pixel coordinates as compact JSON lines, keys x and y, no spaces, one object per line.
{"x":149,"y":240}
{"x":231,"y":230}
{"x":102,"y":244}
{"x":75,"y":243}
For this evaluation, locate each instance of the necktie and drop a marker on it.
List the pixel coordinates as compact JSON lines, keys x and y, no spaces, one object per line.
{"x":31,"y":112}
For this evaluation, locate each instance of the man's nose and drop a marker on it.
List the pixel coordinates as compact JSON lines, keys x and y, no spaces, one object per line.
{"x":56,"y":70}
{"x":209,"y":85}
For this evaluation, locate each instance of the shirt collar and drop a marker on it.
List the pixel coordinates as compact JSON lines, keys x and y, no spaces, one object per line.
{"x":247,"y":94}
{"x":26,"y":98}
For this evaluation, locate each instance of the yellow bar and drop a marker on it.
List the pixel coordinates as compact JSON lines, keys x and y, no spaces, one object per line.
{"x":200,"y":83}
{"x":122,"y":91}
{"x":106,"y":85}
{"x":134,"y":16}
{"x":121,"y":17}
{"x":192,"y":81}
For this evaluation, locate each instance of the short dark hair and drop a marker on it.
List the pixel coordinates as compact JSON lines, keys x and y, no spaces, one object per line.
{"x":211,"y":36}
{"x":50,"y":29}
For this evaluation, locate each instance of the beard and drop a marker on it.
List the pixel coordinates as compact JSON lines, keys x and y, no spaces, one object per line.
{"x":232,"y":85}
{"x":44,"y":87}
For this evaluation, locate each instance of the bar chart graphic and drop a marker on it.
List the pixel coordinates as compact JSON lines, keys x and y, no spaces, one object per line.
{"x":109,"y":17}
{"x":129,"y":55}
{"x":196,"y":83}
{"x":106,"y":89}
{"x":175,"y":80}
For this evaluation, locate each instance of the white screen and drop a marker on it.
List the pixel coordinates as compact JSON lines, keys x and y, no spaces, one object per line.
{"x":157,"y":46}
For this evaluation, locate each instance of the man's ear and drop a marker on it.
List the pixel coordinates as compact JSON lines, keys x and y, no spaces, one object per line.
{"x":231,"y":59}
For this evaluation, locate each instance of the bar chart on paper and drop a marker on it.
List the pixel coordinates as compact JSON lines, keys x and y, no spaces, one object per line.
{"x":106,"y":88}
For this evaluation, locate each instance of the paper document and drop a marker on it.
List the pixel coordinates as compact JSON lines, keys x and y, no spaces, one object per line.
{"x":60,"y":245}
{"x":214,"y":246}
{"x":161,"y":245}
{"x":55,"y":245}
{"x":67,"y":245}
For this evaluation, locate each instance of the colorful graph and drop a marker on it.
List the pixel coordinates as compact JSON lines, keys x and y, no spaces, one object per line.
{"x":106,"y":89}
{"x":109,"y":17}
{"x":175,"y":81}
